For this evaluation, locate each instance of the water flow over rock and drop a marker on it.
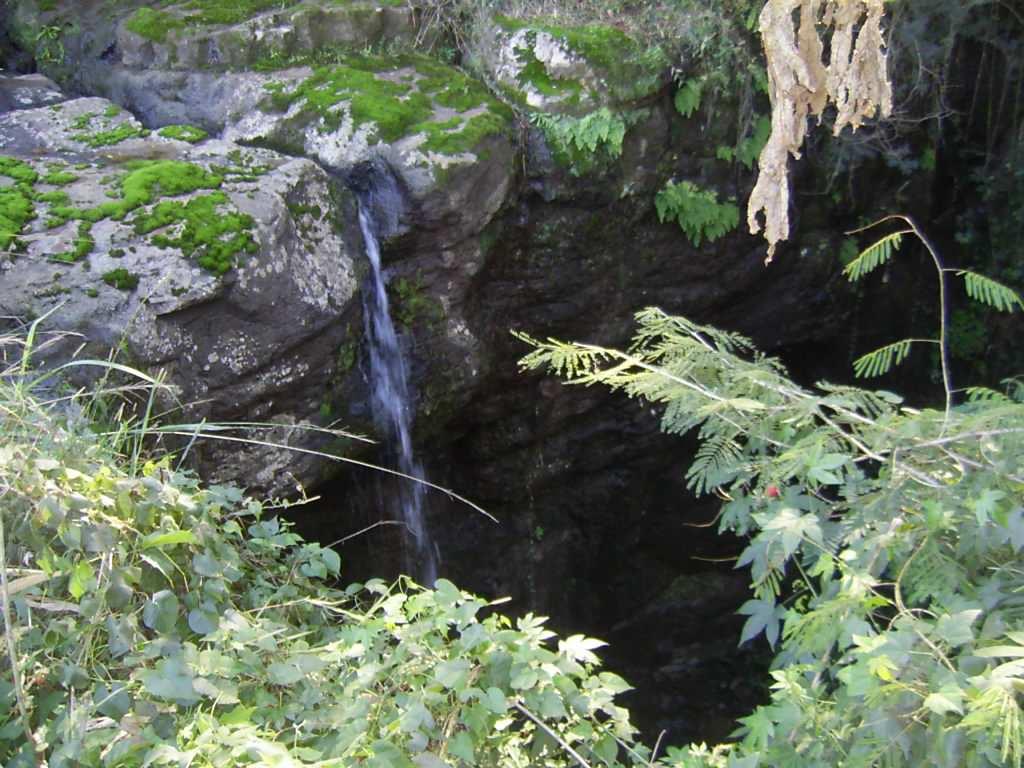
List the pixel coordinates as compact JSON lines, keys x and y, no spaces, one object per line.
{"x":389,"y":382}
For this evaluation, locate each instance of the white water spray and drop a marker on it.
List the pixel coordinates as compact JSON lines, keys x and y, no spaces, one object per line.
{"x":389,"y":381}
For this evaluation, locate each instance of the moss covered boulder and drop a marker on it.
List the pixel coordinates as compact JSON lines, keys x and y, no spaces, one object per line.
{"x":200,"y":34}
{"x":543,"y":66}
{"x":450,"y":139}
{"x":227,"y":270}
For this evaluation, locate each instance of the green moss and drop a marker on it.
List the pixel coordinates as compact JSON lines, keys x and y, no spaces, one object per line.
{"x":83,"y":121}
{"x":535,"y":75}
{"x":205,"y":231}
{"x":213,"y":236}
{"x":411,"y":304}
{"x":18,"y":170}
{"x":470,"y":133}
{"x":630,"y":67}
{"x":114,"y":136}
{"x":231,"y":11}
{"x":16,"y":208}
{"x":398,"y":108}
{"x":112,"y":111}
{"x":91,"y":292}
{"x":153,"y":25}
{"x":57,"y":197}
{"x":189,"y":133}
{"x":121,"y":279}
{"x":83,"y":245}
{"x":60,"y":178}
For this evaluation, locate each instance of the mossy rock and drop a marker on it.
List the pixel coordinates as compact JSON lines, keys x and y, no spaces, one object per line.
{"x":218,"y":34}
{"x":544,"y":66}
{"x":433,"y":114}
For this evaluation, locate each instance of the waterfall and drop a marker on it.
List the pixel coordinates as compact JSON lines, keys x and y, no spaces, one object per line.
{"x":389,"y":382}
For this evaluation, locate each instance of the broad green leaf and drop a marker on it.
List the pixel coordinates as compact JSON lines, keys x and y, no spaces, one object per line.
{"x":237,"y":716}
{"x":170,"y":680}
{"x":462,"y":747}
{"x":81,"y":580}
{"x":1001,"y":651}
{"x":453,"y":674}
{"x":581,"y":648}
{"x":765,"y":616}
{"x":525,"y":679}
{"x":495,"y":701}
{"x":203,"y":620}
{"x":956,"y":629}
{"x":283,"y":673}
{"x":447,"y":593}
{"x":944,"y":702}
{"x":160,"y":613}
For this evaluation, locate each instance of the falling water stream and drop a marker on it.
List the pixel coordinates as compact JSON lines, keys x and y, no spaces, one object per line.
{"x":389,"y":382}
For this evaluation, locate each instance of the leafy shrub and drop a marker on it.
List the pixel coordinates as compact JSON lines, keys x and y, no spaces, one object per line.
{"x":696,"y":210}
{"x":152,"y":621}
{"x":884,"y":543}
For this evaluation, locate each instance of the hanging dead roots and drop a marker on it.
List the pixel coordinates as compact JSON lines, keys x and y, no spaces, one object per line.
{"x":801,"y":84}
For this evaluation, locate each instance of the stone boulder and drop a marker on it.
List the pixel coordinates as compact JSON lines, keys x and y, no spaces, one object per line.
{"x":27,"y":91}
{"x":226,"y":271}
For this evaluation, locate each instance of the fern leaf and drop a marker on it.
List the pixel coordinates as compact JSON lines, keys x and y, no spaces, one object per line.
{"x":986,"y":395}
{"x":990,"y":292}
{"x":882,"y":360}
{"x":687,"y":99}
{"x":717,"y":459}
{"x":873,"y":256}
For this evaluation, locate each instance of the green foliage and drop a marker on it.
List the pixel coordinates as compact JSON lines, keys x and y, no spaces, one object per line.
{"x":687,"y":98}
{"x":697,"y":211}
{"x":882,"y":360}
{"x":152,"y":24}
{"x":584,"y":140}
{"x":988,"y":291}
{"x":884,"y":545}
{"x":155,"y":25}
{"x":961,"y":337}
{"x":60,"y":178}
{"x":49,"y":47}
{"x":749,"y":148}
{"x":873,"y":256}
{"x":153,"y":621}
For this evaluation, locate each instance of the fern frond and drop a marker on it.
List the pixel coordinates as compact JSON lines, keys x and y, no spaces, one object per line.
{"x":985,"y":395}
{"x":997,"y":714}
{"x":716,"y":460}
{"x":873,"y":256}
{"x":882,"y":359}
{"x":990,"y":292}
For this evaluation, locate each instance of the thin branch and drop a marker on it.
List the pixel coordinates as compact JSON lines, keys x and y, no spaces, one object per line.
{"x":561,"y":742}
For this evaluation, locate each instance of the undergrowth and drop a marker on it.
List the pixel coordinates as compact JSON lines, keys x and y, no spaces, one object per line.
{"x":150,"y":620}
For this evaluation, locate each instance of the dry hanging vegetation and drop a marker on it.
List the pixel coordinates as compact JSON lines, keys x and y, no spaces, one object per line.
{"x":802,"y":84}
